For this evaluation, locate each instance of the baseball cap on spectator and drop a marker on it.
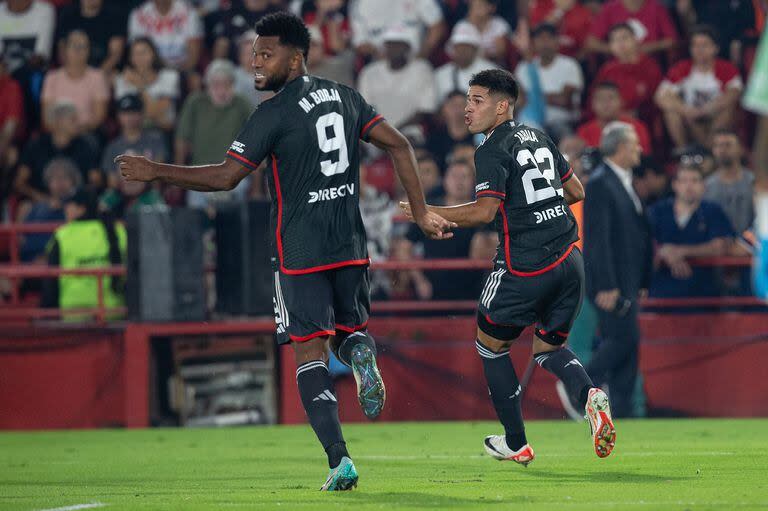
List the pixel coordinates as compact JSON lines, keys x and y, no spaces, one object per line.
{"x":397,"y":34}
{"x":463,"y":33}
{"x":130,"y":103}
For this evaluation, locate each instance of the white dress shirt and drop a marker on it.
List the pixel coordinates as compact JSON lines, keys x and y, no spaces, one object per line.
{"x":625,"y":176}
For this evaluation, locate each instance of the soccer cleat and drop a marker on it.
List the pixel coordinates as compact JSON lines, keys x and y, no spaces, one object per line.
{"x":370,"y":387}
{"x":599,"y":416}
{"x":569,"y":406}
{"x":496,"y":447}
{"x":341,"y":478}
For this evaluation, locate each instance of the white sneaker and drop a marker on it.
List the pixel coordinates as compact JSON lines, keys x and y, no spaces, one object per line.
{"x":565,"y":399}
{"x":599,"y":415}
{"x":496,"y":447}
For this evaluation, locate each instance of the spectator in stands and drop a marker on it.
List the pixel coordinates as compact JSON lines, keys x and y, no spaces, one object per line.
{"x":398,"y":86}
{"x":458,"y":187}
{"x":11,"y":121}
{"x":85,"y":241}
{"x":733,"y":20}
{"x":617,"y":260}
{"x":330,"y":19}
{"x":699,"y":96}
{"x":572,"y":20}
{"x":174,"y":27}
{"x":104,"y":26}
{"x":494,"y":30}
{"x":27,"y":32}
{"x":687,"y":226}
{"x":636,"y":74}
{"x":650,"y":181}
{"x":450,"y":128}
{"x":731,"y":186}
{"x":378,"y":211}
{"x":209,"y":122}
{"x":63,"y":140}
{"x":607,"y":107}
{"x":339,"y":67}
{"x":158,"y":86}
{"x":62,"y":179}
{"x":560,"y":78}
{"x":464,"y":49}
{"x":77,"y":83}
{"x":371,"y":19}
{"x":648,"y":18}
{"x":224,"y":27}
{"x":429,"y":175}
{"x":244,"y":72}
{"x":134,"y":138}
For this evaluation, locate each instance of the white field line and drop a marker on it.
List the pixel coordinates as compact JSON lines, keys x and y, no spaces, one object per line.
{"x":553,"y":455}
{"x":76,"y":507}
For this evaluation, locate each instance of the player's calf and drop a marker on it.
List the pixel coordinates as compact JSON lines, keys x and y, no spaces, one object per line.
{"x":552,"y":356}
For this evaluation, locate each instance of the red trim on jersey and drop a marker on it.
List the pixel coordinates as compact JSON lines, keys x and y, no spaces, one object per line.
{"x":506,"y":235}
{"x":489,"y":320}
{"x":351,"y":329}
{"x":497,"y":195}
{"x":562,"y":334}
{"x":321,"y":333}
{"x":370,"y":124}
{"x":332,"y":266}
{"x":242,"y":159}
{"x":278,"y":236}
{"x":568,"y":175}
{"x":546,"y":268}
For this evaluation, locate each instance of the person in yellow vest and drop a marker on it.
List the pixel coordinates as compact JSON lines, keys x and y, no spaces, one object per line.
{"x":86,"y":240}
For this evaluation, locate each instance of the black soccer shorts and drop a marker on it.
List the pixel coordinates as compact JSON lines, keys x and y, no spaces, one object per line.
{"x":551,"y":300}
{"x":319,"y":304}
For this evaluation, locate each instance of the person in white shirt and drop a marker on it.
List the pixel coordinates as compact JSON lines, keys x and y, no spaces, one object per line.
{"x":493,"y":29}
{"x":422,"y":19}
{"x":174,"y":27}
{"x":26,"y":32}
{"x":560,"y":78}
{"x":398,"y":86}
{"x":464,"y":49}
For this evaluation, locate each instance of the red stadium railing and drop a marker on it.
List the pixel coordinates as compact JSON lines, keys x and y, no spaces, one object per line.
{"x":16,"y":272}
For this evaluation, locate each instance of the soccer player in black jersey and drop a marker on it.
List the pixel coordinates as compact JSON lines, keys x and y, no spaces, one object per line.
{"x":309,"y":134}
{"x":525,"y":185}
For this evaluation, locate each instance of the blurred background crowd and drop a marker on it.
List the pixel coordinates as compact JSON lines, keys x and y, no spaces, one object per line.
{"x":82,"y":81}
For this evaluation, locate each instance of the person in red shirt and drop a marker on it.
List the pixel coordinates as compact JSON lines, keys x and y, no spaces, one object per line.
{"x":11,"y":115}
{"x":607,"y":107}
{"x":572,"y":20}
{"x":699,"y":95}
{"x":637,"y":74}
{"x":649,"y":19}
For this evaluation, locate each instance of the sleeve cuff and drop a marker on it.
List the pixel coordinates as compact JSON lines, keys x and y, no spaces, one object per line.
{"x":491,"y":193}
{"x":568,"y":175}
{"x":369,"y":126}
{"x":242,"y":160}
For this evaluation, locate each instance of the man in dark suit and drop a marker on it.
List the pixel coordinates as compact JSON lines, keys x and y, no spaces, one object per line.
{"x":618,"y":256}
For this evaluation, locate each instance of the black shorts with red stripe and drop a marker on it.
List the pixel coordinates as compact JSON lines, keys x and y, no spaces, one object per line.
{"x":511,"y":301}
{"x":322,"y":303}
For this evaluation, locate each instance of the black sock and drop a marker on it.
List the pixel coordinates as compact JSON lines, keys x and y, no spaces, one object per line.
{"x":564,"y":364}
{"x":316,"y":390}
{"x":505,"y":393}
{"x":344,"y":353}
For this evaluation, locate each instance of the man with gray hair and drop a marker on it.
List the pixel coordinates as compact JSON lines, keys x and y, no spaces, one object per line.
{"x":208,"y":123}
{"x":618,"y":263}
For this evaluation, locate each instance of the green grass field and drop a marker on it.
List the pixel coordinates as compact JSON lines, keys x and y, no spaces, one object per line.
{"x":657,"y":464}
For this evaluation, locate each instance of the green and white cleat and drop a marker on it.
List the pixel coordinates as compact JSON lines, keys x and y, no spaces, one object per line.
{"x":341,"y":478}
{"x":370,"y":387}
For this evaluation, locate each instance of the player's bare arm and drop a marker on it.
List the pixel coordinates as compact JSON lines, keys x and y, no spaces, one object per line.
{"x":203,"y":178}
{"x":472,"y":214}
{"x":385,"y":137}
{"x":573,"y":190}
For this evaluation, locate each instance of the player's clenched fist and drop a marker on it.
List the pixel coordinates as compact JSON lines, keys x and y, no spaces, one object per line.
{"x":432,"y":224}
{"x":135,"y":168}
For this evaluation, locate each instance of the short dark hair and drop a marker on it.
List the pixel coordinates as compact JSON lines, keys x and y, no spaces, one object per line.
{"x":288,"y":27}
{"x":497,"y":81}
{"x":544,"y":28}
{"x":707,"y":31}
{"x":620,"y":26}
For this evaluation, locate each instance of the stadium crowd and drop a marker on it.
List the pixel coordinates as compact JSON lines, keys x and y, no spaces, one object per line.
{"x":82,"y":81}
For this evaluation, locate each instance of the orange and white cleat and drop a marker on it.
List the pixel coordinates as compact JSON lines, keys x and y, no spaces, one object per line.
{"x":496,"y":447}
{"x":599,"y":416}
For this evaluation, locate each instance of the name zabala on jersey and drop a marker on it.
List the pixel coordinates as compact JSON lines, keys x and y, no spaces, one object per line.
{"x":317,"y":97}
{"x":331,"y":193}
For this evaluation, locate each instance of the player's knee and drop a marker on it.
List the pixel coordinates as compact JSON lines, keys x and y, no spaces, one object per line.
{"x":486,"y":329}
{"x":551,"y":339}
{"x":313,"y":349}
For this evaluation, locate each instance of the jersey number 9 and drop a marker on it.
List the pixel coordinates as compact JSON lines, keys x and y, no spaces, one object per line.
{"x":336,"y":142}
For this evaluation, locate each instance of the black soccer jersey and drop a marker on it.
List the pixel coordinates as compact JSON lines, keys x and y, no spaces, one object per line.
{"x":310,"y":133}
{"x":522,"y":167}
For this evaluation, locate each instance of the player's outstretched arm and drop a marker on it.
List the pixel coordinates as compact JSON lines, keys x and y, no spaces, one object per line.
{"x":573,"y":190}
{"x":472,"y":214}
{"x":204,"y":178}
{"x":385,"y":137}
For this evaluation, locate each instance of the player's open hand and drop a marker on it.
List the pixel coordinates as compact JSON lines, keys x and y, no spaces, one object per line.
{"x":135,"y":168}
{"x":435,"y":226}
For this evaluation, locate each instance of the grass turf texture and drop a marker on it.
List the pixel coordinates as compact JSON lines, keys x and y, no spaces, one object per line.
{"x":657,"y":464}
